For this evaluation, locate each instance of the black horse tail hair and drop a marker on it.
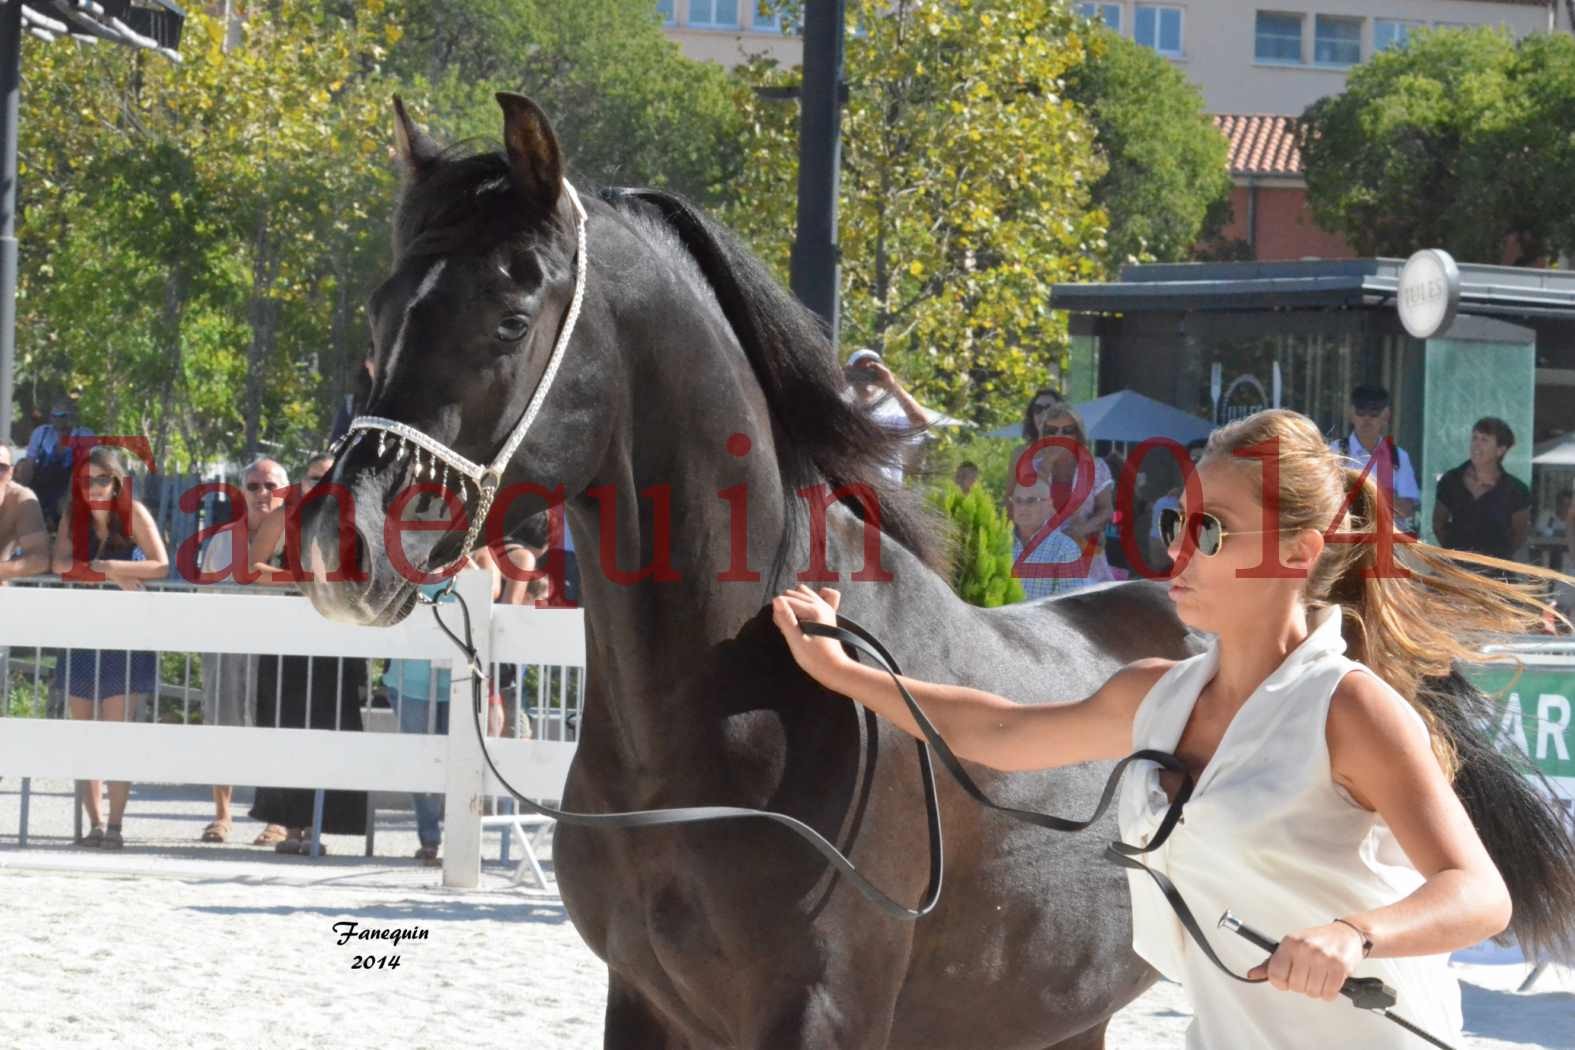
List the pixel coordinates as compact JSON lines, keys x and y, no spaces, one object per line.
{"x":1511,"y":805}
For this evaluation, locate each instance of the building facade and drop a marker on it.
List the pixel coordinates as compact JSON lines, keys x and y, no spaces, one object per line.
{"x":730,"y":32}
{"x":1282,"y":55}
{"x":1259,"y":68}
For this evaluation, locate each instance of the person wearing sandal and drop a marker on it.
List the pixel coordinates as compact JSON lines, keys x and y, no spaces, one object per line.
{"x":418,"y":691}
{"x":229,"y":680}
{"x":105,"y":534}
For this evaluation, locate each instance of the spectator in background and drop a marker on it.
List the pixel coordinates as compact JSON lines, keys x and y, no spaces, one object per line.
{"x":1158,"y":550}
{"x":874,"y":386}
{"x":967,"y":474}
{"x":1084,"y":505}
{"x":122,"y":543}
{"x":229,"y":680}
{"x":1044,"y":405}
{"x":360,"y":393}
{"x":49,"y":459}
{"x":1370,"y":415}
{"x":1030,"y":509}
{"x":1479,"y":506}
{"x":419,"y":693}
{"x":302,"y":692}
{"x":24,"y":542}
{"x":1554,"y":522}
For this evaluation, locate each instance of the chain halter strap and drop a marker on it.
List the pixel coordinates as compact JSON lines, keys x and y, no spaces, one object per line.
{"x":406,"y":440}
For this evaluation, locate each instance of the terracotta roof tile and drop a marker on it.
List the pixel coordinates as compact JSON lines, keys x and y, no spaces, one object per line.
{"x":1261,"y":143}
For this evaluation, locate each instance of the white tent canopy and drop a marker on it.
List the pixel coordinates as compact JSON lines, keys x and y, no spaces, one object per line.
{"x":1556,"y":452}
{"x":1128,"y":416}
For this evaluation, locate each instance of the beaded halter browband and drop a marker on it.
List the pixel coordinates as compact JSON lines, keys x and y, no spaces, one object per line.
{"x":405,"y":440}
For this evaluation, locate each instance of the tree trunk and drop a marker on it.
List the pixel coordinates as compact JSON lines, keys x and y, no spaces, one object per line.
{"x":263,"y":313}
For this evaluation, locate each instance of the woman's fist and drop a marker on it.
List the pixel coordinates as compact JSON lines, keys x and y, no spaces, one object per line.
{"x":818,"y":656}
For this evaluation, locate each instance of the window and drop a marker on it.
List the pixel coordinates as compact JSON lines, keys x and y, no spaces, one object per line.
{"x":1279,"y":38}
{"x":1110,"y":14}
{"x":665,"y":9}
{"x":1159,"y":28}
{"x":1339,"y":41}
{"x":720,"y":14}
{"x":767,"y":19}
{"x":1393,"y":33}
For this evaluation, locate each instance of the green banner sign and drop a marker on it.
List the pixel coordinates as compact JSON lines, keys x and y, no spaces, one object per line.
{"x":1535,"y":714}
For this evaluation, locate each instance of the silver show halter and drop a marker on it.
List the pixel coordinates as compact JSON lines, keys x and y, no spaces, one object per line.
{"x":405,"y":440}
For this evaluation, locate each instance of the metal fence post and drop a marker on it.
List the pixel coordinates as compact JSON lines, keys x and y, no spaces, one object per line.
{"x":465,"y":770}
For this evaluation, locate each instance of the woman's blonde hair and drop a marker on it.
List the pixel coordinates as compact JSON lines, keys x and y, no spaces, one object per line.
{"x":1414,"y":618}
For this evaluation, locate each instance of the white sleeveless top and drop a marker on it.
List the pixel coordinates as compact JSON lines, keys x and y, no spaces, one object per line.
{"x":1270,"y":836}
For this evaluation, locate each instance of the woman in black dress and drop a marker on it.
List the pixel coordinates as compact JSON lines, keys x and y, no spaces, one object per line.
{"x":304,"y":692}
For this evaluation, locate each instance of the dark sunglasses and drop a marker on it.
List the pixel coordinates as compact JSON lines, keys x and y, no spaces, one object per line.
{"x":100,"y":480}
{"x":1069,"y":430}
{"x":260,"y":486}
{"x":1204,"y":530}
{"x":1045,"y":406}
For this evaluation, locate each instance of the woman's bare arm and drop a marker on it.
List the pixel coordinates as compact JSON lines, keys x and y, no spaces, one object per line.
{"x":979,"y":726}
{"x":1385,"y":760}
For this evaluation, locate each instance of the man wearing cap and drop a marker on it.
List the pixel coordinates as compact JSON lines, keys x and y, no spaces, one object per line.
{"x":1370,"y":415}
{"x":874,"y":386}
{"x":47,"y":466}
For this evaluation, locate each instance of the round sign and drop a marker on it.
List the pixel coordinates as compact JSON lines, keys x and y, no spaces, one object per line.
{"x":1429,"y":292}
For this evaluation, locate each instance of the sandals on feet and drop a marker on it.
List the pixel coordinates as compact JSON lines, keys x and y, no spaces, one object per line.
{"x":92,"y":839}
{"x":112,"y":839}
{"x":217,"y":831}
{"x":272,"y":835}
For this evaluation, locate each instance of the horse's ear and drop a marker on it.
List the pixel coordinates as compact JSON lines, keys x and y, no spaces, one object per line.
{"x":414,"y":148}
{"x":535,"y":162}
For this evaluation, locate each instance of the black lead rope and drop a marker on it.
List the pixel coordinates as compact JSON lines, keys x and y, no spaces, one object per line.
{"x":850,"y":633}
{"x":862,"y":640}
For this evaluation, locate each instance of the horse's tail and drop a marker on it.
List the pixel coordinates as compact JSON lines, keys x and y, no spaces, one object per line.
{"x":1512,"y":806}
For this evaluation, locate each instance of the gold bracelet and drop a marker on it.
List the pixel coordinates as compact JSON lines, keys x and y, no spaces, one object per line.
{"x":1367,"y":938}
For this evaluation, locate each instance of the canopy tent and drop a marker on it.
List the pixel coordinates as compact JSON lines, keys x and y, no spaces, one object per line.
{"x":1555,"y":452}
{"x":1129,"y":417}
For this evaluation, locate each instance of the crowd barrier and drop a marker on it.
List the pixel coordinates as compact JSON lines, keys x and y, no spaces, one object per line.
{"x":169,"y":745}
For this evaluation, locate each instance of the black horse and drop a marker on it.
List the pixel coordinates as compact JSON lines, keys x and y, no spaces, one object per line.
{"x":699,"y":433}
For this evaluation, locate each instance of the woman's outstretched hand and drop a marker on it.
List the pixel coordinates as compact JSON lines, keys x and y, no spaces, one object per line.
{"x":819,"y":657}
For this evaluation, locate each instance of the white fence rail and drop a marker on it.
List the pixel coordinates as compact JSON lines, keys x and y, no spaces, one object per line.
{"x":208,"y":622}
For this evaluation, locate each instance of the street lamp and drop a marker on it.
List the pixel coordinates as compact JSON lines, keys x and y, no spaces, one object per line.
{"x":153,"y":25}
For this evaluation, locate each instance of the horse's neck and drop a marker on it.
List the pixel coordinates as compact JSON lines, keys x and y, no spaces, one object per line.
{"x":646,"y":639}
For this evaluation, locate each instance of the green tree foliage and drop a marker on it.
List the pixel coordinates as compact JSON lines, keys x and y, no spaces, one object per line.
{"x":1167,"y":179}
{"x":628,"y":107}
{"x":198,"y":239}
{"x":966,"y":192}
{"x":983,"y":560}
{"x":198,"y":236}
{"x":1463,"y":140}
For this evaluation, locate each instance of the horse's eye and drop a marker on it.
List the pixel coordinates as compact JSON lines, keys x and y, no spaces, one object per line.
{"x":513,"y":328}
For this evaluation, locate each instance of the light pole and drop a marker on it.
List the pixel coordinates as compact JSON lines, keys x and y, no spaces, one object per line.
{"x":155,"y":28}
{"x":814,"y":267}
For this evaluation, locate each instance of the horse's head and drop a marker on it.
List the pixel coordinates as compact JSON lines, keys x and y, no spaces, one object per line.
{"x":463,"y":333}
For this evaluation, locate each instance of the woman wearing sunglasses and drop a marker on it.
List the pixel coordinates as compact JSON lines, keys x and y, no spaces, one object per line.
{"x":1084,"y":505}
{"x":1322,"y":743}
{"x":120,"y":540}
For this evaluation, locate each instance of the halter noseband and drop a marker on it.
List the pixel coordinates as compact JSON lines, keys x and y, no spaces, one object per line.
{"x":487,"y":478}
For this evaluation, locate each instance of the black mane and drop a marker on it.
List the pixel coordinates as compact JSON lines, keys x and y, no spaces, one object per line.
{"x":827,"y":435}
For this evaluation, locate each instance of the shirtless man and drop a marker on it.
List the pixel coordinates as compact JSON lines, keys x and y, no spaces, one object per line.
{"x":24,"y":545}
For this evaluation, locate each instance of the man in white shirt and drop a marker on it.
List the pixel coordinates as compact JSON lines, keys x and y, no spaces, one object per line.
{"x":874,"y":386}
{"x":1370,"y":415}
